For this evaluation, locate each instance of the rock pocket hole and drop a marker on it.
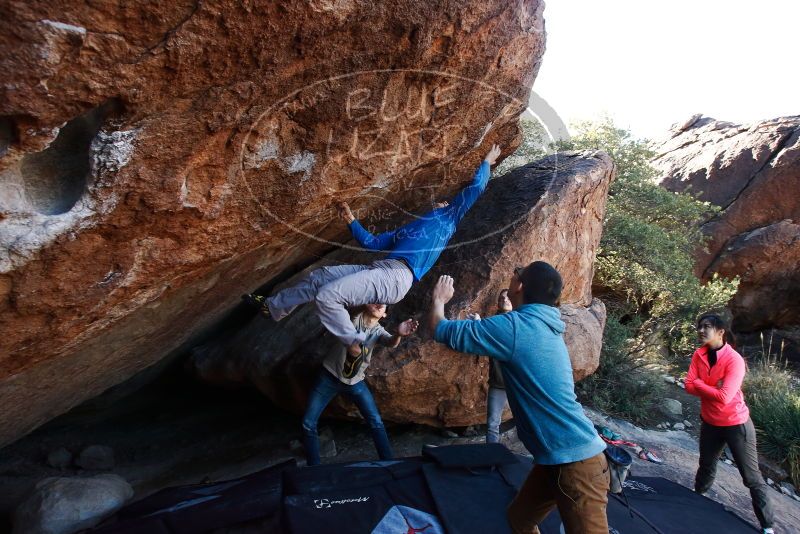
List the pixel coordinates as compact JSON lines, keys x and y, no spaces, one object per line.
{"x":55,"y":178}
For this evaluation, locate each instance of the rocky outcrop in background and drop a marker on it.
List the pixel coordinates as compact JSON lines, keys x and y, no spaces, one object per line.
{"x":753,"y":173}
{"x":157,"y":160}
{"x":550,"y":210}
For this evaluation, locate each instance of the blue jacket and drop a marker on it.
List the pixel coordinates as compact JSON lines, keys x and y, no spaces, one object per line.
{"x":538,"y":375}
{"x":420,"y":242}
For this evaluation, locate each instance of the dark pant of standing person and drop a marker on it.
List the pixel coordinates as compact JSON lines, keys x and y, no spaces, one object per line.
{"x":326,"y":388}
{"x":742,"y":441}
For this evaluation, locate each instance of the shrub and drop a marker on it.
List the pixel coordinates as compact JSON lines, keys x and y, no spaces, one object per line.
{"x":536,"y":144}
{"x":621,"y":386}
{"x":774,"y":401}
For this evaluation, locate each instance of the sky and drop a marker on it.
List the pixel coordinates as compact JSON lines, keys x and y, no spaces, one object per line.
{"x":651,"y":64}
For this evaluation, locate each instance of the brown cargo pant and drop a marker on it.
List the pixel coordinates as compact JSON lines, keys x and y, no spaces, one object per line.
{"x":578,"y":489}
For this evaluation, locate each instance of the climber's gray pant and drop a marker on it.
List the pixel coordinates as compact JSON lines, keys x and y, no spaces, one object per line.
{"x":334,"y":289}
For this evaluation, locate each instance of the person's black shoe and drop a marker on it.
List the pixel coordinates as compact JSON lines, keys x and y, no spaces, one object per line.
{"x":257,"y":302}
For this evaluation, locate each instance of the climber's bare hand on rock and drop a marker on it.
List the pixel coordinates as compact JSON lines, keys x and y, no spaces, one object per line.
{"x":493,"y":154}
{"x":443,"y":291}
{"x":345,"y":213}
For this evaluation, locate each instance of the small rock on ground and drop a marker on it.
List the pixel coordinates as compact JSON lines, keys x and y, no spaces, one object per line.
{"x":96,"y":457}
{"x":788,"y":489}
{"x":671,"y":407}
{"x":60,"y":458}
{"x":66,"y":505}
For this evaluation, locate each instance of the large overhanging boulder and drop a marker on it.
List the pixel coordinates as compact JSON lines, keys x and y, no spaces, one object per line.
{"x":753,"y":173}
{"x":550,"y":210}
{"x":159,"y":159}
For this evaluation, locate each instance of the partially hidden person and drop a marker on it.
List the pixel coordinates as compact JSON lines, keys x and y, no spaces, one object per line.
{"x":496,"y":400}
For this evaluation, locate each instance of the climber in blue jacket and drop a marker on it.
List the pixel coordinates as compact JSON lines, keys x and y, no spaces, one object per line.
{"x":413,"y":249}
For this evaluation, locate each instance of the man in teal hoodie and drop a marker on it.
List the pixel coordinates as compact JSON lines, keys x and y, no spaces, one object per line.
{"x":570,"y":469}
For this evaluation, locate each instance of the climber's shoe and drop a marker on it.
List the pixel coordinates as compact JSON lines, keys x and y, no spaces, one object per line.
{"x":257,"y":302}
{"x":353,"y":363}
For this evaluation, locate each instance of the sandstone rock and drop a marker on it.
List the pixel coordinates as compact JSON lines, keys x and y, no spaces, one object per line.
{"x":765,"y":259}
{"x":671,"y":407}
{"x":60,"y":458}
{"x":157,"y":161}
{"x":67,"y":505}
{"x":753,"y":173}
{"x":96,"y":458}
{"x":550,"y":210}
{"x":584,"y":336}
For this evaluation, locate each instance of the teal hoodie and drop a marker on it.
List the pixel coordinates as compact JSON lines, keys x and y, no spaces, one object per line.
{"x":529,"y":343}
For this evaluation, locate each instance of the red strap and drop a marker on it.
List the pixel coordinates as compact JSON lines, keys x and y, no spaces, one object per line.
{"x":619,"y":442}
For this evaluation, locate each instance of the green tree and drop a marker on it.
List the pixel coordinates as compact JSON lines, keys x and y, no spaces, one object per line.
{"x":645,"y":262}
{"x":536,"y":144}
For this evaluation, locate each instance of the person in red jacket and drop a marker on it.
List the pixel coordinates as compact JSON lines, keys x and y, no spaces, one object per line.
{"x":715,"y":375}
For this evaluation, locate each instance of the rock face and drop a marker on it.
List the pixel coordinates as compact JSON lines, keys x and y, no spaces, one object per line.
{"x":753,"y":173}
{"x":157,"y":160}
{"x":550,"y":210}
{"x":67,"y":505}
